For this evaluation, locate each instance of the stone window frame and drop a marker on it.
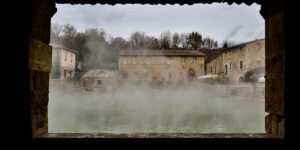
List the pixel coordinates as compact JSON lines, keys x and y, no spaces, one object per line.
{"x":242,"y":66}
{"x":226,"y":69}
{"x":275,"y":121}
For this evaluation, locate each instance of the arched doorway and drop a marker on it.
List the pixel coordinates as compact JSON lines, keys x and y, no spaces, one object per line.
{"x":191,"y":74}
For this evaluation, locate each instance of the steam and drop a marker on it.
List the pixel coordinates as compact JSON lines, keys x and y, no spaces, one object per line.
{"x":135,"y":107}
{"x":233,"y":33}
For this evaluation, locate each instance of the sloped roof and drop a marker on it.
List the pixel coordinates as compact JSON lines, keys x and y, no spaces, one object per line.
{"x":242,"y":44}
{"x":160,"y":53}
{"x":58,"y":46}
{"x":100,"y":73}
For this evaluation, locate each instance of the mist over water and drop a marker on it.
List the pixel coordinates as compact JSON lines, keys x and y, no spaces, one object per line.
{"x":141,"y":108}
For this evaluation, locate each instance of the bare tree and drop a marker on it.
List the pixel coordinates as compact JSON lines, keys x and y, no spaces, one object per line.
{"x":137,"y":40}
{"x":194,"y":40}
{"x":175,"y":40}
{"x":118,"y":43}
{"x":183,"y":40}
{"x":209,"y":44}
{"x":95,"y":34}
{"x":69,"y":35}
{"x":97,"y":48}
{"x":227,"y":44}
{"x":165,"y":40}
{"x":151,"y":43}
{"x":56,"y":30}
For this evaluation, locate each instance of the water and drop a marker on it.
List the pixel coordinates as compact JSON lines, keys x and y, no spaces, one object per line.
{"x":148,"y":110}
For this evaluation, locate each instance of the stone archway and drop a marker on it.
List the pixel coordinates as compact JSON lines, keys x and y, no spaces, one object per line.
{"x":191,"y":74}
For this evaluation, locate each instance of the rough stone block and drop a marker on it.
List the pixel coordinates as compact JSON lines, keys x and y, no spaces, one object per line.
{"x":275,"y":25}
{"x":281,"y":129}
{"x":275,"y":125}
{"x":274,"y":102}
{"x":40,"y":56}
{"x":275,"y":55}
{"x":268,"y":125}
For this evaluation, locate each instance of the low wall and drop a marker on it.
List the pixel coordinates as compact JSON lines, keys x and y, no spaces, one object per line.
{"x":248,"y":91}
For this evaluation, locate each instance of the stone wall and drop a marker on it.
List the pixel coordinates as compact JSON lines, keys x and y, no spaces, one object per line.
{"x":159,"y":68}
{"x":215,"y":66}
{"x":64,"y":61}
{"x":40,"y":54}
{"x":251,"y":53}
{"x":273,"y":14}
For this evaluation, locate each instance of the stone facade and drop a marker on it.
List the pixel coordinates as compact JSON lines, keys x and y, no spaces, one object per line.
{"x":236,"y":61}
{"x":63,"y":62}
{"x":215,"y":65}
{"x":171,"y":67}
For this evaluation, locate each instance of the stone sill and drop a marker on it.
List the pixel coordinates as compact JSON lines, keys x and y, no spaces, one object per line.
{"x":157,"y":135}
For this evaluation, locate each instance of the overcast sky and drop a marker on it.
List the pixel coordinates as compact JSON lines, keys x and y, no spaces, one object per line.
{"x":239,"y":23}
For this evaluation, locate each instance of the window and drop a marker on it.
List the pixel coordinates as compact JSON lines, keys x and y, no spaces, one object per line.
{"x":211,"y":69}
{"x":183,"y":60}
{"x":65,"y":74}
{"x":215,"y":69}
{"x":230,"y":65}
{"x":194,"y":60}
{"x":125,"y":60}
{"x":66,"y":56}
{"x":226,"y":69}
{"x":241,"y":64}
{"x":71,"y":57}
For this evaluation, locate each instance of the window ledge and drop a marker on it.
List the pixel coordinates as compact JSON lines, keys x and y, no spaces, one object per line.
{"x":158,"y":135}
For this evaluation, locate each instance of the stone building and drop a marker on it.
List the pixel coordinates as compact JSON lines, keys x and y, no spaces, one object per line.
{"x":242,"y":62}
{"x":63,"y":62}
{"x":161,"y":65}
{"x":100,"y":77}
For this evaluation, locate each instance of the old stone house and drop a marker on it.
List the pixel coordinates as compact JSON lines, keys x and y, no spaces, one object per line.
{"x":99,"y":77}
{"x":63,"y":62}
{"x":161,"y":65}
{"x":242,"y":62}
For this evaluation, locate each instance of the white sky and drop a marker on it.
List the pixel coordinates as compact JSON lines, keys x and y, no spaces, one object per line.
{"x":220,"y":21}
